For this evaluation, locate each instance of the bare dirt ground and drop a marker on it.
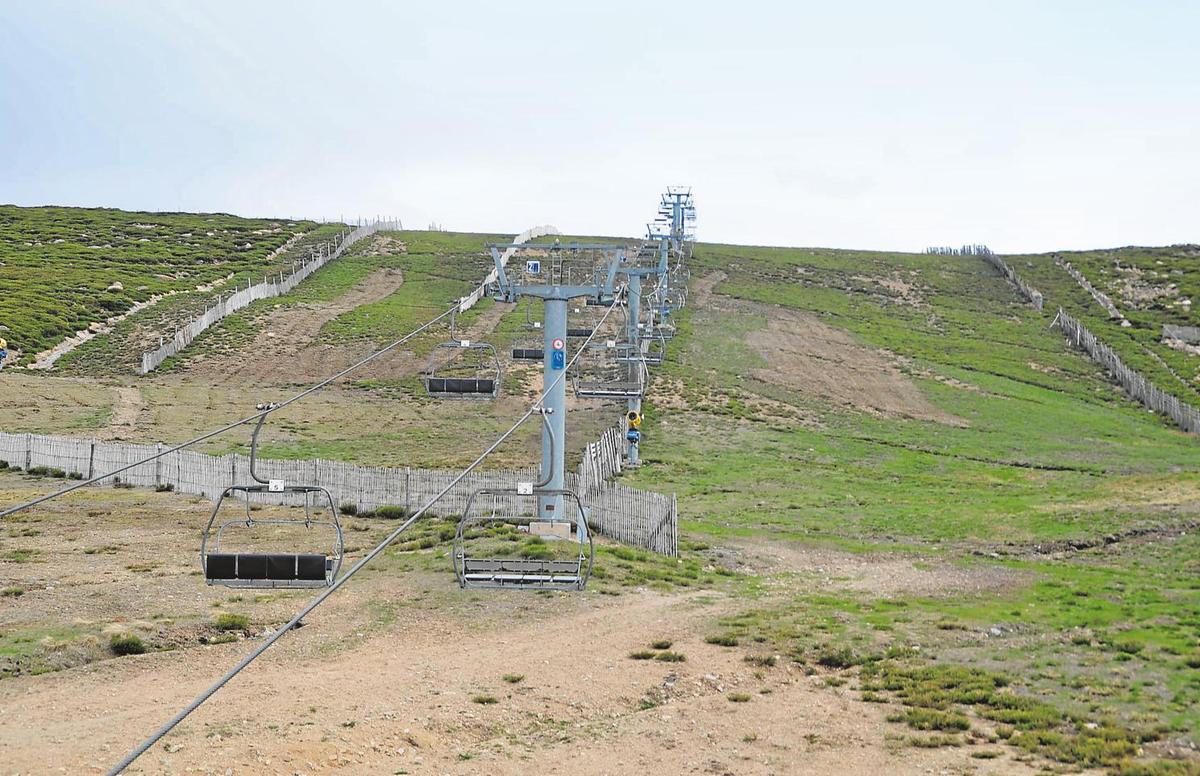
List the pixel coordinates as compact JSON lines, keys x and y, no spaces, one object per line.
{"x":388,"y":676}
{"x":829,"y":364}
{"x":126,"y":411}
{"x":824,"y":362}
{"x":287,"y":349}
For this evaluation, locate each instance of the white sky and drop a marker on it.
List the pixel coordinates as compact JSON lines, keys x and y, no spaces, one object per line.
{"x":1024,"y":125}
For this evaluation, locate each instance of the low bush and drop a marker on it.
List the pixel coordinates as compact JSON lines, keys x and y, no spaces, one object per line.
{"x":722,"y":640}
{"x":126,"y":644}
{"x":228,"y":621}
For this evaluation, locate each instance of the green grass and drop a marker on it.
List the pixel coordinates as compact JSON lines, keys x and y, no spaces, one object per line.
{"x":60,"y":262}
{"x":228,"y":621}
{"x":1096,"y":646}
{"x":1164,"y":277}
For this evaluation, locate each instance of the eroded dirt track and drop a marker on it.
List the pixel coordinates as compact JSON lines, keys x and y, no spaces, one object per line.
{"x":288,"y":348}
{"x":401,"y":701}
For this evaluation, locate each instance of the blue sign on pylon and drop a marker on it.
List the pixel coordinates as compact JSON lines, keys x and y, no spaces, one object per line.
{"x":558,"y":359}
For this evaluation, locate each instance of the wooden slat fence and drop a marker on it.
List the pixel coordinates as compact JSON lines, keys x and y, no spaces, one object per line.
{"x":269,"y":287}
{"x":1031,"y":294}
{"x":1135,"y":384}
{"x":640,"y":518}
{"x":1101,"y":298}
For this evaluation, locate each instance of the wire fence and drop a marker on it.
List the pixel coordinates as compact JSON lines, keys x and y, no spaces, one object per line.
{"x":636,"y":517}
{"x":1136,"y":385}
{"x":269,"y":287}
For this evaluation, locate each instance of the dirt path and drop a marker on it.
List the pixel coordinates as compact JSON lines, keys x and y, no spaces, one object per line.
{"x":383,"y":679}
{"x":127,"y":408}
{"x":287,"y":348}
{"x":402,"y":701}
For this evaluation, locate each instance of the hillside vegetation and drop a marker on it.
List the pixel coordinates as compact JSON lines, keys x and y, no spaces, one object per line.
{"x":904,"y":480}
{"x":63,"y":269}
{"x":910,"y":406}
{"x":1149,"y":287}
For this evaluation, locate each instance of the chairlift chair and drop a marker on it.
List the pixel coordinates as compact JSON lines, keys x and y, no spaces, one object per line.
{"x":606,"y":380}
{"x":529,"y":565}
{"x":271,"y":569}
{"x":472,"y":372}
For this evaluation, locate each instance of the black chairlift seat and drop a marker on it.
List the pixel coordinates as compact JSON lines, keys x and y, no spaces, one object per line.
{"x":460,"y":385}
{"x":578,"y":333}
{"x":267,"y":570}
{"x":528,"y":354}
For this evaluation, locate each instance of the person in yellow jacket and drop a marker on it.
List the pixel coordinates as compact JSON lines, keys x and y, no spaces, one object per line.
{"x":3,"y":351}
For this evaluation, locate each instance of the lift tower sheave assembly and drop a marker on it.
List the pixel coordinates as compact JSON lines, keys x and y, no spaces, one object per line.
{"x":556,"y":273}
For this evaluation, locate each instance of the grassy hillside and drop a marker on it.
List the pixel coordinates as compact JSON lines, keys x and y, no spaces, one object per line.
{"x":59,"y":266}
{"x":916,"y":488}
{"x":1149,"y":286}
{"x":1054,"y":518}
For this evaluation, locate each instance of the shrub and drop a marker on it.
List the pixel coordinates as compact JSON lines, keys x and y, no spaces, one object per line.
{"x":38,"y":471}
{"x":228,"y":621}
{"x":391,"y":512}
{"x":75,"y":476}
{"x":164,"y":488}
{"x":3,"y":465}
{"x":932,"y":719}
{"x":484,"y":700}
{"x":642,"y":654}
{"x":126,"y":644}
{"x":723,"y":640}
{"x":662,"y":644}
{"x":838,"y":658}
{"x":738,"y":697}
{"x":349,"y":508}
{"x":514,"y":678}
{"x":12,"y":592}
{"x":670,"y":657}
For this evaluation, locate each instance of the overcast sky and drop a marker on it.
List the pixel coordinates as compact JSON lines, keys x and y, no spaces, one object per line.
{"x":1025,"y":125}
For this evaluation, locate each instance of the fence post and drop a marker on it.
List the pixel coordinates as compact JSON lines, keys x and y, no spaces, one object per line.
{"x":91,"y":460}
{"x":158,"y":448}
{"x":28,"y":451}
